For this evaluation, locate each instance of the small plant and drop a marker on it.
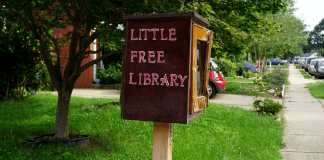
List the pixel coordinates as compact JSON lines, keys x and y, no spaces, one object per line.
{"x":256,"y":82}
{"x":267,"y":107}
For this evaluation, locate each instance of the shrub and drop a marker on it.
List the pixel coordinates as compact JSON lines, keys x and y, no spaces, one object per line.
{"x":276,"y":78}
{"x":298,"y":66}
{"x":249,"y":74}
{"x":267,"y":106}
{"x":111,"y":75}
{"x":43,"y":80}
{"x":227,"y":67}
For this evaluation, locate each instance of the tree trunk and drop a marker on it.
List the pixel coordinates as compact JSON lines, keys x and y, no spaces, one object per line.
{"x":62,"y":114}
{"x":17,"y":88}
{"x":265,"y":59}
{"x":255,"y":52}
{"x":264,"y":63}
{"x":8,"y":85}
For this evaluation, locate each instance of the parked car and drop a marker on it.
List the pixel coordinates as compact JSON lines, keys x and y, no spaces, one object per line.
{"x":296,"y":59}
{"x":319,"y":68}
{"x":308,"y":60}
{"x":302,"y":62}
{"x":247,"y":67}
{"x":311,"y":69}
{"x":217,"y":82}
{"x":275,"y":61}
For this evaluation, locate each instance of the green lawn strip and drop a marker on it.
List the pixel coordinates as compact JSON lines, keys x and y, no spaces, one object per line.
{"x":221,"y":133}
{"x":316,"y":89}
{"x":238,"y":79}
{"x":306,"y":75}
{"x":286,"y":65}
{"x":241,"y":88}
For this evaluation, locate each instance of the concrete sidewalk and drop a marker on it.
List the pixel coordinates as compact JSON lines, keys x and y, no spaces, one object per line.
{"x":304,"y":129}
{"x":94,"y":93}
{"x":241,"y":101}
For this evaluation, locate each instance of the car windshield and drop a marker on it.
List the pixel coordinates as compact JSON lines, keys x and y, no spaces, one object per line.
{"x":213,"y":65}
{"x":312,"y":62}
{"x":321,"y":63}
{"x":310,"y":59}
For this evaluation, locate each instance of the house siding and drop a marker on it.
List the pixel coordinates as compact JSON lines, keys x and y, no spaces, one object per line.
{"x":86,"y":78}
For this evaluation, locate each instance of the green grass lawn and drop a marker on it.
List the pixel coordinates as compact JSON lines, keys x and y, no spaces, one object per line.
{"x":306,"y":75}
{"x":238,"y":79}
{"x":241,"y":88}
{"x":221,"y":133}
{"x":286,"y":65}
{"x":317,"y":89}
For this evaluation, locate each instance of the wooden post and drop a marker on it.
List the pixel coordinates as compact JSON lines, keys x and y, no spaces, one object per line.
{"x":162,"y":141}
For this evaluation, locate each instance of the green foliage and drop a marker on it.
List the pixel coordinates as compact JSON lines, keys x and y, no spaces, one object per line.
{"x":233,"y":21}
{"x":298,"y":66}
{"x":19,"y":61}
{"x":267,"y":106}
{"x":276,"y":78}
{"x":282,"y":38}
{"x":23,"y":91}
{"x":43,"y":79}
{"x":227,"y":67}
{"x":315,"y":38}
{"x":259,"y":80}
{"x":233,"y":132}
{"x":249,"y":74}
{"x":111,"y":75}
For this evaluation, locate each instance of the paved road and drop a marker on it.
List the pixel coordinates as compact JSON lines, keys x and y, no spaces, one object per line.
{"x":304,"y":130}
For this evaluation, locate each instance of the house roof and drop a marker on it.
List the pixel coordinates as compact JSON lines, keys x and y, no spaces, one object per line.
{"x":309,"y":54}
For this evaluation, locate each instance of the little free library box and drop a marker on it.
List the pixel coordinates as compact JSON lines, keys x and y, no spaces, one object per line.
{"x":166,"y":62}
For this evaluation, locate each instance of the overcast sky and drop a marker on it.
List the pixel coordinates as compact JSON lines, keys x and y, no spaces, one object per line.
{"x":310,"y":11}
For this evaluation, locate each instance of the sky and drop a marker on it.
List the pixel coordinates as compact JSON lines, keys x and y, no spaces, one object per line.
{"x":310,"y":11}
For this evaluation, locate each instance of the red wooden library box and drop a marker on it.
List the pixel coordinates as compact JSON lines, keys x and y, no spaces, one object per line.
{"x":165,"y":68}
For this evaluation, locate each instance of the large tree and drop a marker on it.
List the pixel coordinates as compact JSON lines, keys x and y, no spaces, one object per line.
{"x":316,"y":38}
{"x":285,"y":36}
{"x":103,"y":16}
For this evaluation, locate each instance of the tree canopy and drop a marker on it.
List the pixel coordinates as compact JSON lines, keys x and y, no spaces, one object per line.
{"x":316,"y":38}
